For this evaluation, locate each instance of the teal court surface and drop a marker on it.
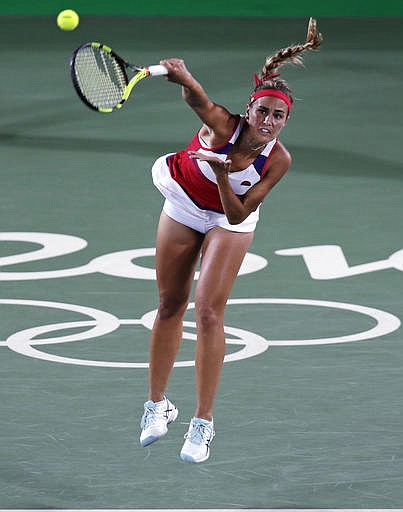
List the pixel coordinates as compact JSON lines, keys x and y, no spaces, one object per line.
{"x":309,"y":411}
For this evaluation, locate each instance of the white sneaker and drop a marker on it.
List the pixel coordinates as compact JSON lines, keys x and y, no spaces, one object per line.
{"x":156,"y":417}
{"x":198,"y":439}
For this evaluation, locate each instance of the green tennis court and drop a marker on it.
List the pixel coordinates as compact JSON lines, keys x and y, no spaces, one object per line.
{"x":309,"y":411}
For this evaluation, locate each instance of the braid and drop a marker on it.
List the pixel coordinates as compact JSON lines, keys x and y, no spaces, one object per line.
{"x":293,"y":54}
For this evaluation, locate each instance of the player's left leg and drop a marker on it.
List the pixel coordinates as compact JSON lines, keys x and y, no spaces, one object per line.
{"x":222,"y":254}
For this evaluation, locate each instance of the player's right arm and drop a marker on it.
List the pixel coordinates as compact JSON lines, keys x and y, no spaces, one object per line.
{"x":218,"y":122}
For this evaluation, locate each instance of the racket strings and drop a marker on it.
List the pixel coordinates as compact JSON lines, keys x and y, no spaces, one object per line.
{"x":100,"y":77}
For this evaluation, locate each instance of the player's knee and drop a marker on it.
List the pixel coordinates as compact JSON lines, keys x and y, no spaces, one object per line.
{"x":170,"y":307}
{"x":207,"y":317}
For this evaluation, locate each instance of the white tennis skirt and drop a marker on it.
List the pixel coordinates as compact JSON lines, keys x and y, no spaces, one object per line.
{"x":181,"y":208}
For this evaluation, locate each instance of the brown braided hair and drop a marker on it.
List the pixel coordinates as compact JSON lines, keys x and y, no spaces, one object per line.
{"x":291,"y":54}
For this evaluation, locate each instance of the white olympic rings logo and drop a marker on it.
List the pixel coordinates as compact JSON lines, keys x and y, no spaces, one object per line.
{"x":102,"y":323}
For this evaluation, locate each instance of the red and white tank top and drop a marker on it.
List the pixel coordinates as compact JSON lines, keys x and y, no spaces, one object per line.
{"x":198,"y":179}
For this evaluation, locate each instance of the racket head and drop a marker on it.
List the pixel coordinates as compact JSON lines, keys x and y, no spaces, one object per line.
{"x":99,"y":76}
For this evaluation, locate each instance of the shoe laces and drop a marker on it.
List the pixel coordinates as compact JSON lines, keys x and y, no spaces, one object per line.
{"x":200,"y":434}
{"x":153,"y":413}
{"x":149,"y":416}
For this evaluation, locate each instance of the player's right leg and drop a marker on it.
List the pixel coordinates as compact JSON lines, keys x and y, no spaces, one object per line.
{"x":178,"y":250}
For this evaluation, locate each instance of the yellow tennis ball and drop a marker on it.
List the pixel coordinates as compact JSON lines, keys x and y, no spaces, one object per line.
{"x":68,"y":20}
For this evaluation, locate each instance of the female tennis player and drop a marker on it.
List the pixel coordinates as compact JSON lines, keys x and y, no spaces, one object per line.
{"x":213,"y":190}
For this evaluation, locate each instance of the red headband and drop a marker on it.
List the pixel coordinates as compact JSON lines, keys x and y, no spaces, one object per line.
{"x":272,"y":92}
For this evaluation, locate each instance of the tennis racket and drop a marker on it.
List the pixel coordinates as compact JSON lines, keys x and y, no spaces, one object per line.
{"x":100,"y":78}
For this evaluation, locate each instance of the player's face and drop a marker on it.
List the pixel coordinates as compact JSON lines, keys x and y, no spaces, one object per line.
{"x":267,"y":116}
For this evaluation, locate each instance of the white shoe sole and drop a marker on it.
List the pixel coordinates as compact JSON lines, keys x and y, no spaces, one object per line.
{"x":188,"y":458}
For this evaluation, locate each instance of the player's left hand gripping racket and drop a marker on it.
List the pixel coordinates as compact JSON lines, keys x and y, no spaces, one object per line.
{"x":100,"y":79}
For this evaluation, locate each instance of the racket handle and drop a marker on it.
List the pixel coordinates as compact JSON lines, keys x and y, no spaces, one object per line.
{"x":157,"y":70}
